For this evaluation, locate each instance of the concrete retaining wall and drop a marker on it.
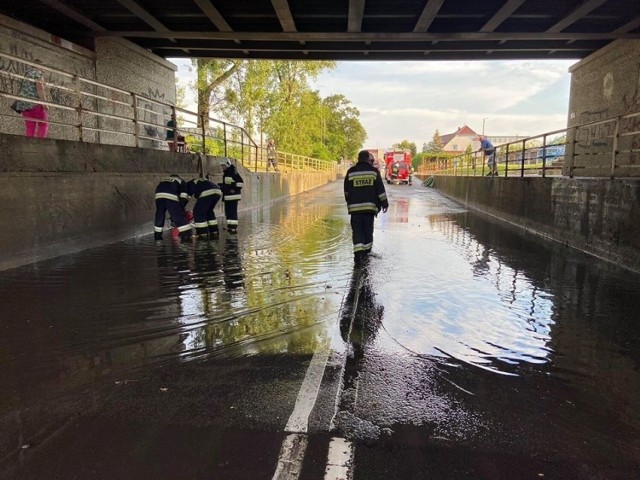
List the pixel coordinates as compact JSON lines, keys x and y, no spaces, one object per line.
{"x":61,"y":196}
{"x":604,"y":85}
{"x":598,"y":216}
{"x":116,"y":62}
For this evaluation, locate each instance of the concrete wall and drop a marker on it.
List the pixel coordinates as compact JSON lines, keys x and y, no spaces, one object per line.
{"x":601,"y":217}
{"x":25,"y":42}
{"x":115,"y":62}
{"x":604,"y":85}
{"x":63,"y":196}
{"x":153,"y":79}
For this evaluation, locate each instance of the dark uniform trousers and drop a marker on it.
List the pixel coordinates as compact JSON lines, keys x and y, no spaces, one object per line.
{"x":203,"y":214}
{"x":362,"y":231}
{"x":231,"y":212}
{"x":176,"y":212}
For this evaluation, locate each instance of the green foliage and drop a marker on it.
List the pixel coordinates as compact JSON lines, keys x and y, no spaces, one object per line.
{"x":406,"y":145}
{"x":435,"y":145}
{"x":273,"y":99}
{"x":437,"y":142}
{"x":560,"y":140}
{"x":212,"y":146}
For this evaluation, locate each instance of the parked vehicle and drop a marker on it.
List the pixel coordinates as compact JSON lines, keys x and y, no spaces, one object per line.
{"x":398,"y":167}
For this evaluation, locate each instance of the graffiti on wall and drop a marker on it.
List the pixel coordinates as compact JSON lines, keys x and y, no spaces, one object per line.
{"x":57,"y":85}
{"x":154,"y":116}
{"x":599,"y":135}
{"x":631,"y":125}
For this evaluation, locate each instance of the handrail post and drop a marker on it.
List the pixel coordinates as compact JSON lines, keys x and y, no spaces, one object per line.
{"x":174,"y":119}
{"x":135,"y":120}
{"x":524,"y":145}
{"x":506,"y":162}
{"x":573,"y":151}
{"x":204,"y":134}
{"x":544,"y":155}
{"x":614,"y":153}
{"x":76,"y":81}
{"x":224,"y":130}
{"x":256,"y":163}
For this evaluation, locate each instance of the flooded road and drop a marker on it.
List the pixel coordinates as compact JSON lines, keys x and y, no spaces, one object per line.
{"x":462,"y":350}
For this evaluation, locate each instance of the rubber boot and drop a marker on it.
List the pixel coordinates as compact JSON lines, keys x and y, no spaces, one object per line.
{"x":202,"y":232}
{"x":157,"y":236}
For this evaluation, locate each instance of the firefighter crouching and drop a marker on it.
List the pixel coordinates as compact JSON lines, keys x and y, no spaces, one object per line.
{"x":171,"y":195}
{"x":365,"y":195}
{"x":207,"y":195}
{"x":232,"y":184}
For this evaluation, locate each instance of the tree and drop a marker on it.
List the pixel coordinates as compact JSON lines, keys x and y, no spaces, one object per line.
{"x":248,"y":95}
{"x":344,"y":134}
{"x":437,"y":141}
{"x":435,"y":145}
{"x":211,"y":76}
{"x":275,"y":97}
{"x":406,"y":145}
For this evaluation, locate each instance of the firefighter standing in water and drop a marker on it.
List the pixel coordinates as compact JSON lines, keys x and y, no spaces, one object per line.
{"x":232,"y":184}
{"x":171,"y":196}
{"x":365,"y":195}
{"x":207,"y":195}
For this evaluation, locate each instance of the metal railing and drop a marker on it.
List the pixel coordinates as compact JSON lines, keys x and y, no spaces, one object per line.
{"x":603,"y":148}
{"x":84,"y":110}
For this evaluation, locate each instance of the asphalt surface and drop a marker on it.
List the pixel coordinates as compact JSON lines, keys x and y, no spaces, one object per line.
{"x":462,"y":350}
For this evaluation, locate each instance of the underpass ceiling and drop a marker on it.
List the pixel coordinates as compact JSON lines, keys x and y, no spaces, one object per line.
{"x":342,"y":29}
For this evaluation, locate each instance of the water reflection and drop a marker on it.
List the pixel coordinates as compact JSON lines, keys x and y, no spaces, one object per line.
{"x":362,"y":315}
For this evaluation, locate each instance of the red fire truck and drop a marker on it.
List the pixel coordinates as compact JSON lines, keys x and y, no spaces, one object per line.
{"x":398,"y":166}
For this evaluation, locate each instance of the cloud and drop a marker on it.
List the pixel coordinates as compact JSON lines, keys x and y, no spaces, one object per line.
{"x":410,"y":100}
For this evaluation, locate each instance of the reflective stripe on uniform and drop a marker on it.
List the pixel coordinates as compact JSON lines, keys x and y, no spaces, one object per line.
{"x":228,"y":198}
{"x":212,"y":223}
{"x":184,"y":228}
{"x":211,"y":191}
{"x":167,"y":196}
{"x":232,"y":222}
{"x":157,"y":229}
{"x":362,"y":247}
{"x":228,"y":180}
{"x":365,"y":174}
{"x":362,"y":207}
{"x":239,"y":184}
{"x":201,"y":224}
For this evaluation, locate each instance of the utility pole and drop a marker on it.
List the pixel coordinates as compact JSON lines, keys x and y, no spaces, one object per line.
{"x":486,"y":118}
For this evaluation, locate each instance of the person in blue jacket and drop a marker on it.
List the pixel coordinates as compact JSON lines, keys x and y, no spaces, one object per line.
{"x":490,"y":152}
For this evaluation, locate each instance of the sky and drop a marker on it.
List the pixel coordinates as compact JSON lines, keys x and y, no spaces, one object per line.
{"x":411,"y":100}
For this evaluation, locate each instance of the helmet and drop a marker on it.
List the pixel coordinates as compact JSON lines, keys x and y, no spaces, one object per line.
{"x":225,"y":162}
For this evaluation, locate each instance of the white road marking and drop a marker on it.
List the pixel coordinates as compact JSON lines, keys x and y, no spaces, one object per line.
{"x":291,"y":456}
{"x":339,"y":460}
{"x":295,"y":445}
{"x":308,"y":394}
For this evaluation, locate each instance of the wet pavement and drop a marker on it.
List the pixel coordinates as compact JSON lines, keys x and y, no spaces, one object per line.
{"x":463,"y":349}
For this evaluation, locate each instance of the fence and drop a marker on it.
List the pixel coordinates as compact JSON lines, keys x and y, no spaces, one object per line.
{"x":84,"y":110}
{"x":605,"y":148}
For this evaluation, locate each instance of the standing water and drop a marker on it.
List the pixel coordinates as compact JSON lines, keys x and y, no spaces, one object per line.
{"x":476,"y":335}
